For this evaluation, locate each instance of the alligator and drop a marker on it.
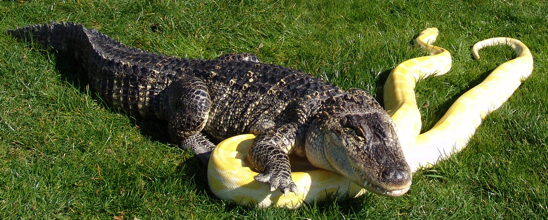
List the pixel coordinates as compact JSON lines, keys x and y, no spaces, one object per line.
{"x":291,"y":112}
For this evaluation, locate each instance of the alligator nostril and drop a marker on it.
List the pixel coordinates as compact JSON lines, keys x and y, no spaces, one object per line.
{"x":396,"y":176}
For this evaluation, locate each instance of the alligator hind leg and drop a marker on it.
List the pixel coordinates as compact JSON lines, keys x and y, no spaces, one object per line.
{"x":189,"y":104}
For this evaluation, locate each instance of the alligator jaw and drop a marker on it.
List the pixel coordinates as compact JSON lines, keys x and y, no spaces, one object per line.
{"x":392,"y":193}
{"x":396,"y":192}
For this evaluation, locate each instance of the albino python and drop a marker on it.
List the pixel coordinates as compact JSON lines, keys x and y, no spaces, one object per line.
{"x":231,"y":179}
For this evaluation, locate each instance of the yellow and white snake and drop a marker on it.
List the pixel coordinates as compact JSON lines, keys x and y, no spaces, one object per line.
{"x":231,"y":179}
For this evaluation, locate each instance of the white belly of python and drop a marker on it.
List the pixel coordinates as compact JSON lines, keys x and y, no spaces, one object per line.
{"x":231,"y":179}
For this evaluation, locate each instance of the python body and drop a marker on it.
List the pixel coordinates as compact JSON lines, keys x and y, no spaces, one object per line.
{"x":230,"y":177}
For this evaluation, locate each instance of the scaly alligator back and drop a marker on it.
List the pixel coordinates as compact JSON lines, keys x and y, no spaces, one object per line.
{"x":135,"y":80}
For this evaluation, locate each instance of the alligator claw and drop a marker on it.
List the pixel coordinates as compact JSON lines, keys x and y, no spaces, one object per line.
{"x":279,"y":181}
{"x":291,"y":188}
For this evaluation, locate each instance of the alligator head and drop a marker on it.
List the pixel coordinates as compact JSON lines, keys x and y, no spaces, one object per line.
{"x":359,"y":141}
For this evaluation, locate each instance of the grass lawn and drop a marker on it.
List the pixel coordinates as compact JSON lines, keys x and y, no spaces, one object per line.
{"x":65,"y":154}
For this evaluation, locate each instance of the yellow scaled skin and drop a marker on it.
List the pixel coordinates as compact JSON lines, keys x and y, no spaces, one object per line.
{"x":399,"y":89}
{"x":231,"y":179}
{"x":453,"y":131}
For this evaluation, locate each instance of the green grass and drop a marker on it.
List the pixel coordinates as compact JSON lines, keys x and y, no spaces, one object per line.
{"x":64,"y":154}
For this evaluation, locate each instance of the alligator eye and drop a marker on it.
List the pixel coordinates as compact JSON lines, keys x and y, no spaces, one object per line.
{"x":357,"y":124}
{"x":360,"y":132}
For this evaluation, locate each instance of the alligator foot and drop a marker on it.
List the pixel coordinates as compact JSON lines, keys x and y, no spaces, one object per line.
{"x":269,"y":156}
{"x":200,"y":145}
{"x":278,"y":178}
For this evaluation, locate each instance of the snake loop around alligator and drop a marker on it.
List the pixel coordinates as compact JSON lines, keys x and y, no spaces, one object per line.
{"x":231,"y":179}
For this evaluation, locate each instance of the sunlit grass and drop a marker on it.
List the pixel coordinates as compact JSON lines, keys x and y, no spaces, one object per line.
{"x":64,"y":154}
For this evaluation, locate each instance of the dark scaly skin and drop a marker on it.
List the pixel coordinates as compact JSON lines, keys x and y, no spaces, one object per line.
{"x":346,"y":132}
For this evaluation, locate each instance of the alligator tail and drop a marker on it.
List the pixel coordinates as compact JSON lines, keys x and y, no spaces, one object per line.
{"x":61,"y":36}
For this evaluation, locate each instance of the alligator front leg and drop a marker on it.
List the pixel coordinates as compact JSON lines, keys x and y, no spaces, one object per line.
{"x":189,"y":104}
{"x":269,"y":156}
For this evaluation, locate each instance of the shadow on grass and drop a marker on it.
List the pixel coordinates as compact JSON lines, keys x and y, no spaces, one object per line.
{"x":194,"y":167}
{"x":75,"y":74}
{"x":379,"y":84}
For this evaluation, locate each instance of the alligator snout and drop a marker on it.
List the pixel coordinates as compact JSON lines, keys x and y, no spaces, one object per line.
{"x":396,"y":176}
